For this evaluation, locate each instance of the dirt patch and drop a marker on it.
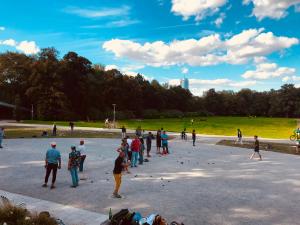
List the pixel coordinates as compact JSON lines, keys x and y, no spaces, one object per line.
{"x":266,"y":146}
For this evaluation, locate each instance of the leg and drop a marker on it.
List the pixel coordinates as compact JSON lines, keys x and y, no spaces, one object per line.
{"x":252,"y":155}
{"x":76,"y":176}
{"x":0,"y":142}
{"x":48,"y":171}
{"x":54,"y":174}
{"x":136,"y":156}
{"x":82,"y":158}
{"x":72,"y":172}
{"x":118,"y":180}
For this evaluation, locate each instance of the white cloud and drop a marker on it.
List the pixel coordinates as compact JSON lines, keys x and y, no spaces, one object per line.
{"x":268,"y":70}
{"x":209,"y":50}
{"x":28,"y":47}
{"x":127,"y":70}
{"x":198,"y":86}
{"x":111,"y":67}
{"x":184,"y":70}
{"x":2,"y":28}
{"x":9,"y":42}
{"x":98,"y":13}
{"x":275,"y":9}
{"x":197,"y":8}
{"x":219,"y":21}
{"x":291,"y":79}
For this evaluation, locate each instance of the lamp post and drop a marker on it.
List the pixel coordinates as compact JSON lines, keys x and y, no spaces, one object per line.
{"x":114,"y":124}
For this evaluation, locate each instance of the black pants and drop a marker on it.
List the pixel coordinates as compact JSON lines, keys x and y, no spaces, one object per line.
{"x":194,"y":140}
{"x":49,"y":168}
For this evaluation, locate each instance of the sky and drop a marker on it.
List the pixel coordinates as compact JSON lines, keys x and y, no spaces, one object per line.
{"x":221,"y":44}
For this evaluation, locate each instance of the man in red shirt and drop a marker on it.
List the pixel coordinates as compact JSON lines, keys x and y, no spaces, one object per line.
{"x":135,"y":148}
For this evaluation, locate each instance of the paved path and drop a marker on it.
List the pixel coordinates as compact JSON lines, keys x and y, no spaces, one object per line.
{"x":206,"y":184}
{"x":206,"y":138}
{"x":68,"y":214}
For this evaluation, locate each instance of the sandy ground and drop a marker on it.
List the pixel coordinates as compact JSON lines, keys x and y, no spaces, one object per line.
{"x":206,"y":184}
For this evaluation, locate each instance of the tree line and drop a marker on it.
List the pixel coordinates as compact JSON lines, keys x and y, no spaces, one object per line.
{"x":72,"y":88}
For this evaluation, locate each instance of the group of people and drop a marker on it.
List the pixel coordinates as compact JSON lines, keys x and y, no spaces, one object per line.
{"x":131,"y":152}
{"x":184,"y":136}
{"x":76,"y":160}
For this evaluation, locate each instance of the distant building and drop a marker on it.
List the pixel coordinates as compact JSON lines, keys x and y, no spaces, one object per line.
{"x":184,"y":83}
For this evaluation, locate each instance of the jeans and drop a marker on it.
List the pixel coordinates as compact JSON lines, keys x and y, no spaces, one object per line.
{"x":194,"y":140}
{"x":82,"y":158}
{"x":118,"y":181}
{"x":51,"y":167}
{"x":74,"y":175}
{"x":134,"y":158}
{"x":141,"y":155}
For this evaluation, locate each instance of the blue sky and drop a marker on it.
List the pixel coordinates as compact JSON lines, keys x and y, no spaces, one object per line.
{"x":222,"y":44}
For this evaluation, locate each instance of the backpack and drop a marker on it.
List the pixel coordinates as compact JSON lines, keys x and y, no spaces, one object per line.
{"x":119,"y":217}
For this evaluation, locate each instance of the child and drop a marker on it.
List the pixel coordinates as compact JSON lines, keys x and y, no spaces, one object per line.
{"x":256,"y":148}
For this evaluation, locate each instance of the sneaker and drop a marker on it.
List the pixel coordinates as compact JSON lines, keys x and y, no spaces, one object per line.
{"x":117,"y":196}
{"x":73,"y":186}
{"x":52,"y":186}
{"x":44,"y":185}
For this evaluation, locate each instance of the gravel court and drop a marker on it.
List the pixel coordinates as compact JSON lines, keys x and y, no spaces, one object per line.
{"x":206,"y":184}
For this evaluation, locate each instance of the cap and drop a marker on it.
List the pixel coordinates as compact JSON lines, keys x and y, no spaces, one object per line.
{"x":53,"y":143}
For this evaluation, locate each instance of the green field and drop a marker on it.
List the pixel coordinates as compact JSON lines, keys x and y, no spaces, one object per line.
{"x":261,"y":126}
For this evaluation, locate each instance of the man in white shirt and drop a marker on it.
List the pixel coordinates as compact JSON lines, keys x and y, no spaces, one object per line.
{"x":81,"y":148}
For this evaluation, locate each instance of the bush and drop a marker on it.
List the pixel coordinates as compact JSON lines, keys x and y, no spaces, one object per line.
{"x":151,"y":114}
{"x":15,"y":215}
{"x":172,"y":114}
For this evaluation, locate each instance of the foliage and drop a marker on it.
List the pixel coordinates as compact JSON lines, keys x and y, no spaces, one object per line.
{"x":72,"y":88}
{"x":15,"y":215}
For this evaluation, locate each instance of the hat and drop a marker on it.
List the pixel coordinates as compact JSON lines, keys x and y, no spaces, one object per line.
{"x":53,"y":143}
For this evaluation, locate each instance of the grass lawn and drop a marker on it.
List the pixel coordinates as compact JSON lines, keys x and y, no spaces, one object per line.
{"x":261,"y":126}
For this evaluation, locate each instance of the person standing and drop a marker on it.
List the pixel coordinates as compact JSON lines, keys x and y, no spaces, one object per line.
{"x":239,"y":137}
{"x":72,"y":126}
{"x":54,"y":129}
{"x":138,"y":131}
{"x":256,"y":148}
{"x":1,"y":136}
{"x":149,"y":143}
{"x":119,"y":166}
{"x":158,"y":142}
{"x":52,"y":163}
{"x":129,"y":141}
{"x":194,"y":137}
{"x":123,"y":132}
{"x":164,"y":140}
{"x":135,"y":149}
{"x":141,"y":152}
{"x":82,"y":149}
{"x":73,"y":164}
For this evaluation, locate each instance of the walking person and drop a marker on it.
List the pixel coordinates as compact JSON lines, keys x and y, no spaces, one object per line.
{"x":256,"y":148}
{"x":1,"y":136}
{"x":194,"y":137}
{"x":239,"y":137}
{"x":73,"y":164}
{"x":149,"y":143}
{"x":82,"y":150}
{"x":119,"y":166}
{"x":138,"y":131}
{"x":135,"y":149}
{"x":52,"y":163}
{"x":158,"y":142}
{"x":123,"y":132}
{"x":54,"y":129}
{"x":164,"y":140}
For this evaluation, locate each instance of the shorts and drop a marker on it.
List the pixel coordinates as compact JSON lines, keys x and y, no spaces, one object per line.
{"x":165,"y":145}
{"x":256,"y":150}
